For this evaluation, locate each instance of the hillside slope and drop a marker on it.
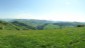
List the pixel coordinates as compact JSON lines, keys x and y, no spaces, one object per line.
{"x":14,"y":26}
{"x":27,"y":24}
{"x":60,"y":38}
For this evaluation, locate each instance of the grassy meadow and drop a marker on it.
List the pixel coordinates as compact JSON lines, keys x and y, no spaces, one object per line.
{"x":55,"y":38}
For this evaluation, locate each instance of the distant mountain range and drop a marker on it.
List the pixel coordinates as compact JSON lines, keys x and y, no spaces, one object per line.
{"x":31,"y":24}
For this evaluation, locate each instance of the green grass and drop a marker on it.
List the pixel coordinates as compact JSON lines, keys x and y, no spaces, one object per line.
{"x":51,"y":26}
{"x":58,"y":38}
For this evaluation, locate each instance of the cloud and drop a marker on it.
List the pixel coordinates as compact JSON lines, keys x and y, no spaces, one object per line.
{"x":63,"y":17}
{"x":53,"y":16}
{"x":22,"y":16}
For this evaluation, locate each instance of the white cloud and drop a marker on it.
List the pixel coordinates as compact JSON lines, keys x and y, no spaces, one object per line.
{"x":22,"y":16}
{"x":53,"y":16}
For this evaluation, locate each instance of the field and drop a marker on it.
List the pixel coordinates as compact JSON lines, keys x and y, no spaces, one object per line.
{"x":55,"y":38}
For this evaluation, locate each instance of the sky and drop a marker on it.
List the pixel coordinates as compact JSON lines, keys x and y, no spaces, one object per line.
{"x":54,"y":10}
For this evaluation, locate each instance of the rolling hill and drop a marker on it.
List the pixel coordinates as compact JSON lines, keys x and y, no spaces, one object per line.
{"x":31,"y":24}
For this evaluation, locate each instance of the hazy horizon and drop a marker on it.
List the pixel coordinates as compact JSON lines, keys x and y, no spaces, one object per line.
{"x":54,"y":10}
